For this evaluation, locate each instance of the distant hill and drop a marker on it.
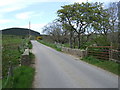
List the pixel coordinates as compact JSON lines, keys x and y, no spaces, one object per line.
{"x":19,"y":31}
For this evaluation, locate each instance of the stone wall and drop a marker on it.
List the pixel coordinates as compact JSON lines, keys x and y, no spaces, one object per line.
{"x":76,"y":52}
{"x":25,"y":60}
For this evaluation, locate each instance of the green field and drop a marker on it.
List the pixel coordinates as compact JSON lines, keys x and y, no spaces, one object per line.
{"x":10,"y":52}
{"x":13,"y":47}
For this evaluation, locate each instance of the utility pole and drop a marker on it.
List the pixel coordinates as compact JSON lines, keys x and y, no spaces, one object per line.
{"x":29,"y":30}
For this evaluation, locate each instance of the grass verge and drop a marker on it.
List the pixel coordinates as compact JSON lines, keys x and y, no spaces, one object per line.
{"x":50,"y":45}
{"x":106,"y":65}
{"x":23,"y":77}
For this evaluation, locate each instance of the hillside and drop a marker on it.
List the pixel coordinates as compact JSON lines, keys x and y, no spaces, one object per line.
{"x":19,"y":31}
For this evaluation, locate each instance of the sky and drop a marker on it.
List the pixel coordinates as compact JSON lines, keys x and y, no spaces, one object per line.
{"x":18,"y":13}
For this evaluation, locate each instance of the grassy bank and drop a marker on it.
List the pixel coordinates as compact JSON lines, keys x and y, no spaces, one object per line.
{"x":10,"y":52}
{"x":50,"y":45}
{"x":22,"y":78}
{"x":106,"y":65}
{"x":13,"y":47}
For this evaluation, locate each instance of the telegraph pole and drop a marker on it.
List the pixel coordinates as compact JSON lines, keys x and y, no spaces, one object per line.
{"x":29,"y":29}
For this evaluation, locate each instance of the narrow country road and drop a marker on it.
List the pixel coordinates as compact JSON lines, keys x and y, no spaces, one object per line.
{"x":58,"y":70}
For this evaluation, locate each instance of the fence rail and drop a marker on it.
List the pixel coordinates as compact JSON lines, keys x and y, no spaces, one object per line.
{"x":104,"y":53}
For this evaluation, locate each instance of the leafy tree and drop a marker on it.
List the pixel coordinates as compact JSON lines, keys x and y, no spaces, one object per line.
{"x":77,"y":17}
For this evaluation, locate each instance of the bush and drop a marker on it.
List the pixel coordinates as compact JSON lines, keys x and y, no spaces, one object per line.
{"x":29,"y":45}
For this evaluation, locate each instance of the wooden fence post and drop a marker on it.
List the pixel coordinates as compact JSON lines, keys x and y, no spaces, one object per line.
{"x":10,"y":72}
{"x":110,"y":52}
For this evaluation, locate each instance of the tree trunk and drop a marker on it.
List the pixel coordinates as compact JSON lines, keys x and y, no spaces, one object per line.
{"x":79,"y":43}
{"x":74,"y":42}
{"x":70,"y":40}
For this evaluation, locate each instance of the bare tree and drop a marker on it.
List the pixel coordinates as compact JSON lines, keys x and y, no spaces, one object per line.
{"x":55,"y":30}
{"x":113,"y":21}
{"x":119,"y":27}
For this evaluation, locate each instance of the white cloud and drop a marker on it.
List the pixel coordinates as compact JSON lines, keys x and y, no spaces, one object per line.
{"x":28,"y":15}
{"x":8,"y":5}
{"x":14,"y":5}
{"x":2,"y":21}
{"x":10,"y":9}
{"x":1,"y":16}
{"x":7,"y":2}
{"x":26,"y":2}
{"x":24,"y":15}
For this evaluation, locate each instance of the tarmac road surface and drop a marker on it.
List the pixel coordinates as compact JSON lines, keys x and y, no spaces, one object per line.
{"x":59,"y":70}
